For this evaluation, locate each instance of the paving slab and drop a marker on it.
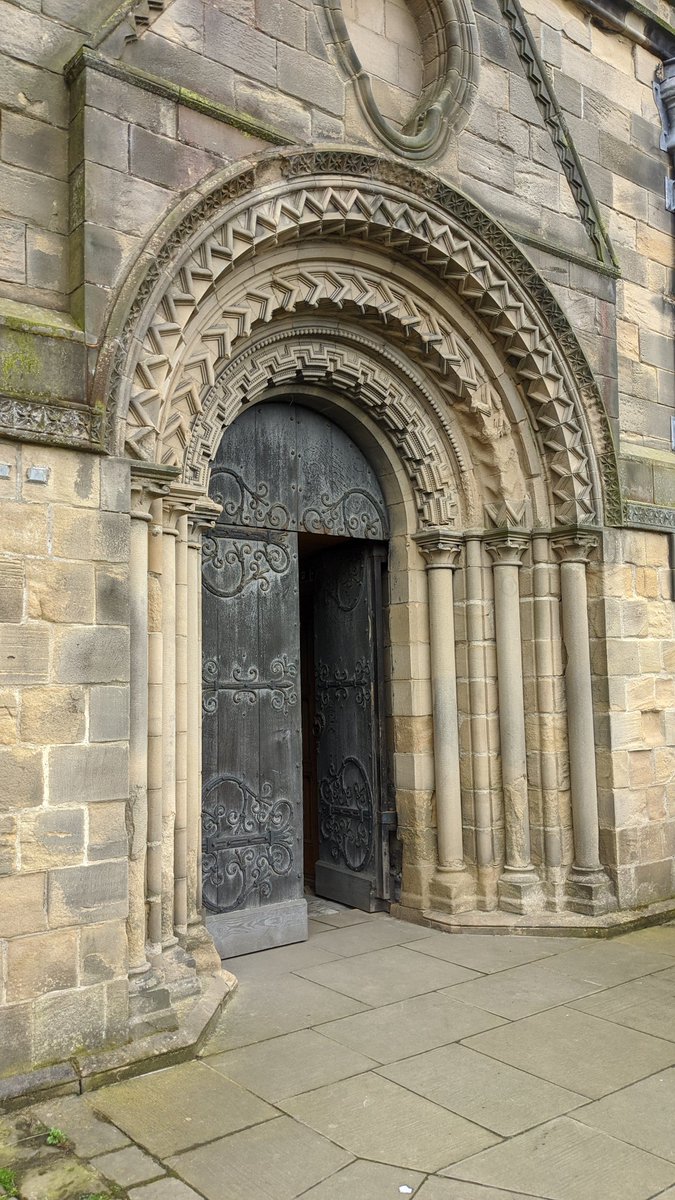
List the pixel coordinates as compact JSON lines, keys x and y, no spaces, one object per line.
{"x":128,"y":1166}
{"x":164,"y":1189}
{"x":657,"y":937}
{"x":288,"y":1065}
{"x":576,"y":1051}
{"x":642,"y":1114}
{"x":376,"y":1119}
{"x":182,"y":1106}
{"x":269,"y":964}
{"x":521,"y":991}
{"x":607,"y":964}
{"x":74,"y":1116}
{"x":452,"y":1189}
{"x":565,"y":1160}
{"x":367,"y":1181}
{"x":64,"y":1178}
{"x":277,"y":1161}
{"x":483,"y":1090}
{"x":488,"y":952}
{"x":384,"y":976}
{"x":646,"y":1004}
{"x":256,"y":1012}
{"x":364,"y":936}
{"x":409,"y":1027}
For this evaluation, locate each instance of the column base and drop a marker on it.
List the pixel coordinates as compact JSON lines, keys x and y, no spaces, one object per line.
{"x":150,"y":1008}
{"x":199,"y":945}
{"x":519,"y":890}
{"x":454,"y":889}
{"x":179,"y":972}
{"x":590,"y":892}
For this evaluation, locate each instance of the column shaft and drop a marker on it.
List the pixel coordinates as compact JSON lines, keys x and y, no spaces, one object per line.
{"x":446,"y":732}
{"x":545,"y":630}
{"x":155,"y":708}
{"x":180,"y":832}
{"x":169,"y":536}
{"x":194,"y":726}
{"x":138,"y":732}
{"x":480,"y":756}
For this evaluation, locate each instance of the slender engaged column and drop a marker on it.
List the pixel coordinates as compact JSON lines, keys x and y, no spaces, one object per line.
{"x":519,"y":886}
{"x":589,"y":888}
{"x":155,"y":708}
{"x":453,"y":882}
{"x":180,"y":901}
{"x":545,"y":633}
{"x":169,"y":537}
{"x":138,"y":732}
{"x":194,"y":723}
{"x":478,"y":701}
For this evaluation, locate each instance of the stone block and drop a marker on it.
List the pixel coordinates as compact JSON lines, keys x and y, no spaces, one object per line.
{"x":9,"y":712}
{"x":166,"y":162}
{"x":119,"y":98}
{"x":11,"y":589}
{"x":108,"y":714}
{"x":261,"y":102}
{"x":103,"y":951}
{"x":99,"y":655}
{"x":102,"y":536}
{"x":88,"y":773}
{"x":62,"y":592}
{"x":36,"y":198}
{"x":34,"y":144}
{"x":117,"y":1012}
{"x":477,"y":158}
{"x":108,"y":836}
{"x":12,"y":251}
{"x":121,"y":201}
{"x":73,"y":477}
{"x":22,"y":905}
{"x":46,"y":260}
{"x":52,"y":715}
{"x":105,"y":139}
{"x":239,"y":46}
{"x":112,"y":596}
{"x":51,"y":838}
{"x":87,"y":895}
{"x":44,"y":962}
{"x":16,"y":1038}
{"x":311,"y":80}
{"x":115,"y":485}
{"x":103,"y":254}
{"x":8,"y":844}
{"x":21,"y":779}
{"x":24,"y":528}
{"x":68,"y":1022}
{"x":200,"y":129}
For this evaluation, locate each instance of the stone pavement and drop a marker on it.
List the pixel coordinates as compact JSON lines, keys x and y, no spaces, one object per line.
{"x":380,"y":1060}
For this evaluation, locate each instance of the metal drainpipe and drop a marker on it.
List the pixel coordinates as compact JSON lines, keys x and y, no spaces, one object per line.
{"x":664,"y":96}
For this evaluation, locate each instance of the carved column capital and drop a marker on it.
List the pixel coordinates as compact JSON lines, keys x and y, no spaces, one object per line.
{"x":576,"y":547}
{"x":440,"y":547}
{"x":507,"y":549}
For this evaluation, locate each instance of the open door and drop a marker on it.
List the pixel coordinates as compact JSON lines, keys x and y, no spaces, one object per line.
{"x":354,"y":817}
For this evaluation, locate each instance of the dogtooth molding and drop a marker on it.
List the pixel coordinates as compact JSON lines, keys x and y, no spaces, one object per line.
{"x":448,"y":235}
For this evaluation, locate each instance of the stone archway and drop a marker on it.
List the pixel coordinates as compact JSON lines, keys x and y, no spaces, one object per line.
{"x":393,"y":301}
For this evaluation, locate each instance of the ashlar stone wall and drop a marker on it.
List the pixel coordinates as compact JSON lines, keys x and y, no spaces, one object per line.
{"x":64,"y":727}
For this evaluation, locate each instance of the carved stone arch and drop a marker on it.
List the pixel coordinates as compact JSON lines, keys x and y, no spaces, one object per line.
{"x":334,"y":195}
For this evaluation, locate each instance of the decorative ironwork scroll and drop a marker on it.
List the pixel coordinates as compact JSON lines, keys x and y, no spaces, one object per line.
{"x":231,"y":564}
{"x":346,"y":814}
{"x":354,"y":514}
{"x":338,"y":684}
{"x":247,"y":842}
{"x":247,"y":687}
{"x":243,"y":505}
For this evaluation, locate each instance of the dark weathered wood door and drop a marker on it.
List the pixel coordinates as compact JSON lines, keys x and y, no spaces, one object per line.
{"x":280,"y":470}
{"x":353,"y":811}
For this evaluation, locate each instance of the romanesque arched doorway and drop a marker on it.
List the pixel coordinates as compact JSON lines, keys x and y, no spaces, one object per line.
{"x":294,"y":762}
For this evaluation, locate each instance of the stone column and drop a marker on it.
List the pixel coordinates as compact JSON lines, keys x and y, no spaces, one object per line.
{"x":588,"y":886}
{"x":546,"y":632}
{"x":155,"y":709}
{"x":519,"y":885}
{"x":169,"y":537}
{"x":480,"y":733}
{"x":138,"y":731}
{"x":180,"y":902}
{"x":453,"y":884}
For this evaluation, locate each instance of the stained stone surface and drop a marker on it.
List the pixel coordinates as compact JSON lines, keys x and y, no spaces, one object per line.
{"x":275,"y":1161}
{"x":482,"y":1089}
{"x":564,"y":1160}
{"x":305,"y":1091}
{"x":384,"y":976}
{"x":372,"y":1117}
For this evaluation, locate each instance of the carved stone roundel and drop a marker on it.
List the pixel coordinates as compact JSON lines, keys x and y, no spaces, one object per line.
{"x":172,"y":348}
{"x":451,"y":58}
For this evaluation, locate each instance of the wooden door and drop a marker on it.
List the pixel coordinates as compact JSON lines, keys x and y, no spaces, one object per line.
{"x":353,"y":808}
{"x":279,"y":470}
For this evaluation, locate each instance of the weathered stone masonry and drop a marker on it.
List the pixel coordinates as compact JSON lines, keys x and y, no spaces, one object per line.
{"x":210,"y":204}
